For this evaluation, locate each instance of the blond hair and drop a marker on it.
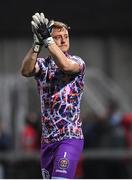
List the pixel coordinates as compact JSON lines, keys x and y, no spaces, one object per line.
{"x":58,"y":24}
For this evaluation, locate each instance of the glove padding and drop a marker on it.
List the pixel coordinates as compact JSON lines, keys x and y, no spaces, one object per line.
{"x":41,"y":27}
{"x":38,"y":43}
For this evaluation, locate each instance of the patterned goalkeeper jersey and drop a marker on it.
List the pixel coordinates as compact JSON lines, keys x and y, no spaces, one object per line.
{"x":60,"y":95}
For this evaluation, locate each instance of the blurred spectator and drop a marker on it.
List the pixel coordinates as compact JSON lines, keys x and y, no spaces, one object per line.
{"x":5,"y":139}
{"x":30,"y":135}
{"x":105,"y":132}
{"x":127,"y":124}
{"x":89,"y":121}
{"x":113,"y":133}
{"x":5,"y":145}
{"x":113,"y":113}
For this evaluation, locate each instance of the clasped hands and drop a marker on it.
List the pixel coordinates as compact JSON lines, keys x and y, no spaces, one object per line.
{"x":41,"y":28}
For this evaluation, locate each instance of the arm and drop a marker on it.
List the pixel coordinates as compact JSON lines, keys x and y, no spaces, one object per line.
{"x":44,"y":29}
{"x":40,"y":28}
{"x":28,"y":67}
{"x":63,"y":62}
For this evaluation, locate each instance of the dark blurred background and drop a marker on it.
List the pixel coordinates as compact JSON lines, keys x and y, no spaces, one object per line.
{"x":103,"y":18}
{"x":101,"y":34}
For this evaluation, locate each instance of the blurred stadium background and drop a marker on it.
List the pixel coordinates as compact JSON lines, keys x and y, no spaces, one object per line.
{"x":101,"y":33}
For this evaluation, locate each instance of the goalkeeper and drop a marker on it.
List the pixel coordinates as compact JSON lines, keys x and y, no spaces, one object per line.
{"x":60,"y":81}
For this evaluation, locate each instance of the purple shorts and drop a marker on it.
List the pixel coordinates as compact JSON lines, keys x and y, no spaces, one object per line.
{"x":60,"y":159}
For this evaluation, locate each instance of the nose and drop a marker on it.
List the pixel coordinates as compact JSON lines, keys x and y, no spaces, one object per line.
{"x":63,"y":39}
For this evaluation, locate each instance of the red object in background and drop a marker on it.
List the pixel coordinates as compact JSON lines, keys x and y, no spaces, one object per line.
{"x":80,"y":169}
{"x":127,"y":124}
{"x":127,"y":119}
{"x":29,"y":138}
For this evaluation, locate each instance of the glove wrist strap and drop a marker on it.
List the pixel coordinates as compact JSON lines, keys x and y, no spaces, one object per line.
{"x":48,"y":41}
{"x":36,"y":48}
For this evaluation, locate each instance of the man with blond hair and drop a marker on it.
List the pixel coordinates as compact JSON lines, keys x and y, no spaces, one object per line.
{"x":60,"y":81}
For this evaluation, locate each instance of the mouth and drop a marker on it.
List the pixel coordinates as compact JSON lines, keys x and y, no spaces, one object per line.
{"x":63,"y":46}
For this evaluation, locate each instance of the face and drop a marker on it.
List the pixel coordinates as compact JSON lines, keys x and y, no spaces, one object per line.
{"x":61,"y":38}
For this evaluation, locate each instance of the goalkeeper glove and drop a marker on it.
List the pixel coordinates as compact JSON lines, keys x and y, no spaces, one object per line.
{"x":37,"y":44}
{"x":42,"y":28}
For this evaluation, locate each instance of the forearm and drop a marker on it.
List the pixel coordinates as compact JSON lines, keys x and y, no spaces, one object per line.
{"x":63,"y":62}
{"x":28,"y":64}
{"x":58,"y":56}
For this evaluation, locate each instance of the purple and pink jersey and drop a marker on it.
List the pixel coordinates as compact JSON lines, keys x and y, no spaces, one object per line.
{"x":60,"y":95}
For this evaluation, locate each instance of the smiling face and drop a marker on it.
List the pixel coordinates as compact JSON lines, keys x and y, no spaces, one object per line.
{"x":61,"y":38}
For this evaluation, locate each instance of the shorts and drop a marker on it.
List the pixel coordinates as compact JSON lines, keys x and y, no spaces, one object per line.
{"x":60,"y":159}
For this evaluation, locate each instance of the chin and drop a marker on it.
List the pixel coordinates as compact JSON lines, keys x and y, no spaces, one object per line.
{"x":64,"y":49}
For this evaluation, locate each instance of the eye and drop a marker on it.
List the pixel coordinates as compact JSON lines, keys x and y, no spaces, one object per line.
{"x":66,"y":36}
{"x":57,"y":37}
